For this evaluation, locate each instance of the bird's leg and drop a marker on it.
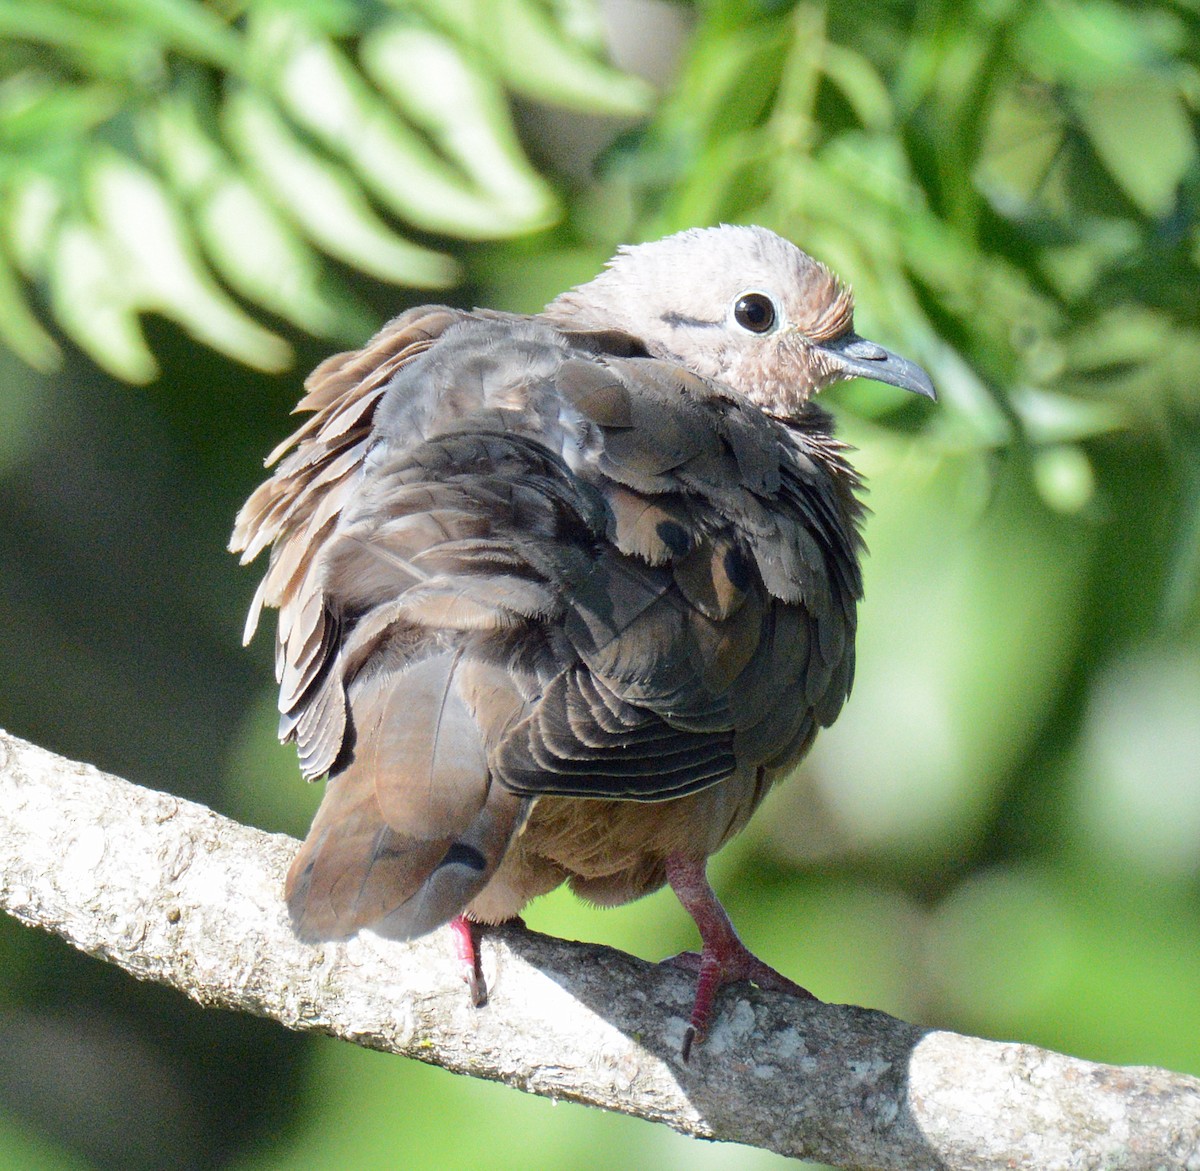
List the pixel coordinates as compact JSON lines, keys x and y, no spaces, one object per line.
{"x":466,"y":950}
{"x":724,"y":958}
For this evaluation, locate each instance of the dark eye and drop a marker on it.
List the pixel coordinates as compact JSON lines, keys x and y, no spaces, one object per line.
{"x":755,"y":312}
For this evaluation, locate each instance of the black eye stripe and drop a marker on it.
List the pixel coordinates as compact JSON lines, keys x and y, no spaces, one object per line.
{"x":754,"y":312}
{"x":679,"y":319}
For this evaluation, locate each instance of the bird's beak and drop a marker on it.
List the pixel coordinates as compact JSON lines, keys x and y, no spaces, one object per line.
{"x":855,"y":357}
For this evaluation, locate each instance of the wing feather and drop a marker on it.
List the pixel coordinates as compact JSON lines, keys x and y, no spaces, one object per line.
{"x":514,"y":563}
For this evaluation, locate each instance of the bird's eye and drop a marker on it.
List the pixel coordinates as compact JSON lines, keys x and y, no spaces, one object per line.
{"x":755,"y":312}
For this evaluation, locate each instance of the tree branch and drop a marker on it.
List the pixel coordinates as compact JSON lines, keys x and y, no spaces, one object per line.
{"x":171,"y":891}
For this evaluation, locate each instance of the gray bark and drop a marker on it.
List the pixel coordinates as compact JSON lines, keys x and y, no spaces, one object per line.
{"x":171,"y":891}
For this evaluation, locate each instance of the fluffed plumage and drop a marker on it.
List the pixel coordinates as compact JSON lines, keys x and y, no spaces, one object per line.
{"x":561,"y":596}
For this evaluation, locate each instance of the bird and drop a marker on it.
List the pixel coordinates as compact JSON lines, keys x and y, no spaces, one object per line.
{"x":562,"y":595}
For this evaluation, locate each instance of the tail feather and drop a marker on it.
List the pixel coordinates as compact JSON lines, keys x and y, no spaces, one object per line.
{"x":462,"y":871}
{"x":413,"y":827}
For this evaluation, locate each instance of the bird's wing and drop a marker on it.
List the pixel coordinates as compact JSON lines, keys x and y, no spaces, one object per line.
{"x":509,"y":565}
{"x":714,"y":627}
{"x":295,"y":511}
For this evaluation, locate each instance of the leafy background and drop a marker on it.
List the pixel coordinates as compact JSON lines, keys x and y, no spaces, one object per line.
{"x":1002,"y":833}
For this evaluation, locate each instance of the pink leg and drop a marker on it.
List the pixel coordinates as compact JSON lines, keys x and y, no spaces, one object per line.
{"x":468,"y":956}
{"x":724,"y":958}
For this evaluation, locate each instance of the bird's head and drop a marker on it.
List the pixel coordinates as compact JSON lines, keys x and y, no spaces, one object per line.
{"x":740,"y":305}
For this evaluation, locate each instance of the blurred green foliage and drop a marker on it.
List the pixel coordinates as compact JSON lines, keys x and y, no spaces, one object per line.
{"x":150,"y":146}
{"x":1002,"y":832}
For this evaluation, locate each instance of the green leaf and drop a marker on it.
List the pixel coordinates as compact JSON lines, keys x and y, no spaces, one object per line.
{"x":524,"y":47}
{"x":1049,"y":417}
{"x":31,"y":214}
{"x":1096,"y":42}
{"x":93,"y":303}
{"x":19,"y":328}
{"x":1145,"y":138}
{"x":860,"y":84}
{"x":1024,"y":138}
{"x":252,"y":247}
{"x":161,"y":268}
{"x":464,"y":111}
{"x":321,"y":89}
{"x":189,"y":28}
{"x":36,"y":111}
{"x":729,"y":81}
{"x":101,"y":46}
{"x":323,"y":198}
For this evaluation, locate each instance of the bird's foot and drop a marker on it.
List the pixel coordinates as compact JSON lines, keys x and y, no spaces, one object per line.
{"x":715,"y":970}
{"x":467,"y":952}
{"x":465,"y":933}
{"x":725,"y":959}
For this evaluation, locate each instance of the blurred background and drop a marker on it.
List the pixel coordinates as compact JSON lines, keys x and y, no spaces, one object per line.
{"x":199,"y":201}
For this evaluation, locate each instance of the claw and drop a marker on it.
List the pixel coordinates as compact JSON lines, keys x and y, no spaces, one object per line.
{"x":468,"y":957}
{"x":725,"y":959}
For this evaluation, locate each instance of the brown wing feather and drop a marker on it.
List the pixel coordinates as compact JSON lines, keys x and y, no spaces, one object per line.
{"x":294,"y":512}
{"x":522,"y":568}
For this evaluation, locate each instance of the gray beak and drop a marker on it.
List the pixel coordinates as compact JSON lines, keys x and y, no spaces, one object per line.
{"x":856,"y":357}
